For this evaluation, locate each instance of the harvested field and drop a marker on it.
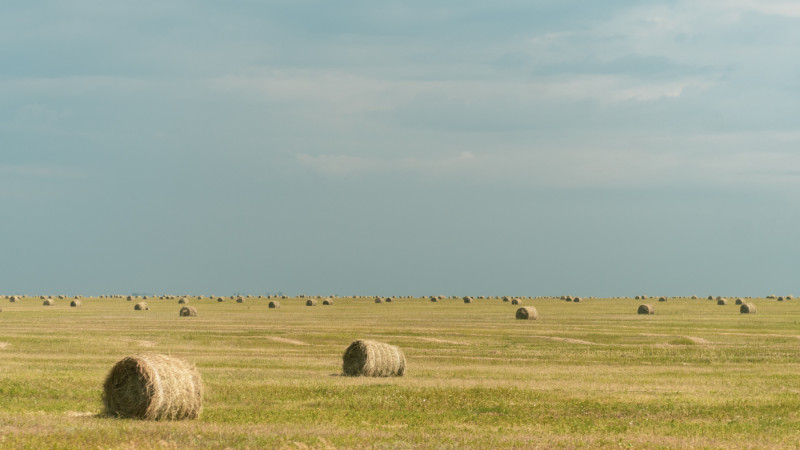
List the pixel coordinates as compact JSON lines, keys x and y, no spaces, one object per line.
{"x":593,"y":375}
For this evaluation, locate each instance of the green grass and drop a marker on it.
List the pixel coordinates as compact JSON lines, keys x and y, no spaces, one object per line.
{"x":590,"y":374}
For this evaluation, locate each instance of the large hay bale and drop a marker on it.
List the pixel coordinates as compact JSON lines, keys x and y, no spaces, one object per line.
{"x":48,"y":302}
{"x":153,"y":387}
{"x":75,"y":303}
{"x":274,"y":304}
{"x":141,"y":306}
{"x":527,"y":313}
{"x":328,"y":301}
{"x":722,"y":301}
{"x":311,"y":302}
{"x":188,"y":311}
{"x":373,"y":359}
{"x":646,"y":309}
{"x":747,"y":308}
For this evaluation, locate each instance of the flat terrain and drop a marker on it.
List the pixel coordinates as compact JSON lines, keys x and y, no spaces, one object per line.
{"x":590,"y":374}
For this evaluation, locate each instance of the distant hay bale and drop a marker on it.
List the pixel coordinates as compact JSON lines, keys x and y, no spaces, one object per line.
{"x":328,"y":301}
{"x":739,"y":301}
{"x":188,"y":311}
{"x":468,"y":299}
{"x":711,"y":297}
{"x":373,"y":359}
{"x":183,"y":301}
{"x":274,"y":304}
{"x":389,"y":299}
{"x":311,"y":302}
{"x":434,"y":299}
{"x":646,"y":309}
{"x":240,"y":300}
{"x":141,"y":306}
{"x":694,"y":297}
{"x":130,"y":298}
{"x":506,"y":299}
{"x":153,"y":387}
{"x":576,"y":299}
{"x":516,"y":301}
{"x":220,"y":299}
{"x":378,"y":300}
{"x":722,"y":301}
{"x":780,"y":299}
{"x":75,"y":303}
{"x":662,"y":299}
{"x":527,"y":313}
{"x":789,"y":297}
{"x":48,"y":302}
{"x":747,"y":308}
{"x":13,"y":299}
{"x":568,"y":298}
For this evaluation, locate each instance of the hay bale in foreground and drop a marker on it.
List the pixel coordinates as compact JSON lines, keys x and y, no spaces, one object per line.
{"x":373,"y":359}
{"x":153,"y":387}
{"x":747,"y":308}
{"x":141,"y":306}
{"x":527,"y":313}
{"x":75,"y":303}
{"x":48,"y":302}
{"x":274,"y":304}
{"x":646,"y":309}
{"x":188,"y":311}
{"x":311,"y":302}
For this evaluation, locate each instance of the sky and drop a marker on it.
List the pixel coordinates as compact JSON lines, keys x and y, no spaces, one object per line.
{"x":462,"y":147}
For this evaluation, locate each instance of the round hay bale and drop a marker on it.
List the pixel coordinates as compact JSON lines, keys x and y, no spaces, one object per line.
{"x":516,"y":301}
{"x":188,"y":311}
{"x":780,"y":299}
{"x":576,"y":299}
{"x":220,"y":299}
{"x":468,"y":299}
{"x":130,"y":298}
{"x":747,"y":308}
{"x":75,"y":303}
{"x":328,"y":301}
{"x":274,"y":304}
{"x":389,"y":299}
{"x":48,"y":302}
{"x":434,"y":299}
{"x":13,"y":299}
{"x":240,"y":300}
{"x":711,"y":297}
{"x":646,"y":309}
{"x":739,"y":301}
{"x":153,"y":387}
{"x":568,"y":298}
{"x":722,"y":301}
{"x":378,"y":300}
{"x":506,"y":299}
{"x":527,"y":313}
{"x":183,"y":301}
{"x":662,"y":299}
{"x":311,"y":302}
{"x":373,"y":359}
{"x":141,"y":306}
{"x":694,"y":297}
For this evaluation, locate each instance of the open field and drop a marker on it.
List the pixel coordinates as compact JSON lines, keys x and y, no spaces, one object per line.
{"x":590,"y":374}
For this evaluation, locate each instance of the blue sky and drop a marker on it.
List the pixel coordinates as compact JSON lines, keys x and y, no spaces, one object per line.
{"x":524,"y":148}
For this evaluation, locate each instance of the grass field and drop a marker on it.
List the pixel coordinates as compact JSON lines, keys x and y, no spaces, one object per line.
{"x":590,"y":374}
